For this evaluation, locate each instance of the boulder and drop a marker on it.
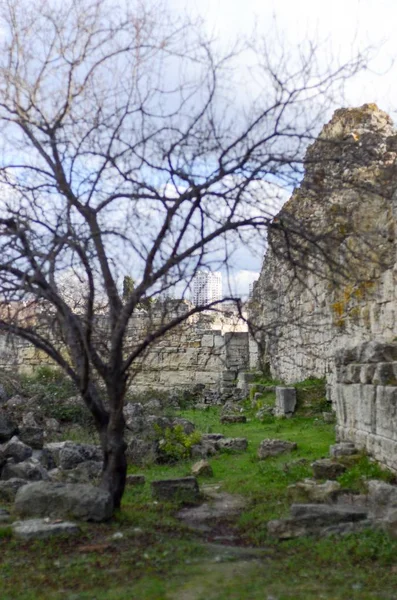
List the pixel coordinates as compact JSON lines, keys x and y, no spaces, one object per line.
{"x":202,"y":468}
{"x":45,"y":458}
{"x":141,"y":452}
{"x":134,"y":415}
{"x":152,"y":407}
{"x":382,"y":497}
{"x":7,"y":428}
{"x":327,"y":469}
{"x":212,"y":437}
{"x":184,"y":489}
{"x":272,"y":447}
{"x":51,"y":426}
{"x":9,"y":488}
{"x":204,"y":449}
{"x":233,"y":419}
{"x":85,"y":472}
{"x":34,"y":529}
{"x":32,"y":436}
{"x":232,"y":444}
{"x":16,"y":450}
{"x":309,"y":490}
{"x":58,"y":500}
{"x":71,"y":455}
{"x":30,"y":469}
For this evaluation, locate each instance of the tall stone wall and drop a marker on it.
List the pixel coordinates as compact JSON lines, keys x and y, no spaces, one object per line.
{"x":366,"y":399}
{"x":329,"y":277}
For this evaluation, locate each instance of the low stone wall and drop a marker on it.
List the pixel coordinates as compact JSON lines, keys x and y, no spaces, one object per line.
{"x":365,"y":399}
{"x":194,"y":353}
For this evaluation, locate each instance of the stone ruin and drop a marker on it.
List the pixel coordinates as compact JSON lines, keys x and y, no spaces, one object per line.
{"x":326,"y":299}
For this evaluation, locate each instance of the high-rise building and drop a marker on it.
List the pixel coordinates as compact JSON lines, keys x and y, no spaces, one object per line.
{"x":207,"y":287}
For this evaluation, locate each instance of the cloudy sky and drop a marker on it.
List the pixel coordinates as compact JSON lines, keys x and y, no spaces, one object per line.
{"x":342,"y":28}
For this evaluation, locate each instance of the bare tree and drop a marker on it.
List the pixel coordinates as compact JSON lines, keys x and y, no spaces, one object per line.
{"x":131,"y":145}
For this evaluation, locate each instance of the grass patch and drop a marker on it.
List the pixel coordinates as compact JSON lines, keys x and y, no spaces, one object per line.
{"x":157,"y":558}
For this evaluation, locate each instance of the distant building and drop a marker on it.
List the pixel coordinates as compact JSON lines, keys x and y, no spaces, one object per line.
{"x":207,"y":287}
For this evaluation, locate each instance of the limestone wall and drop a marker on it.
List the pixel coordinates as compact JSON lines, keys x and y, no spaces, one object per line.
{"x":366,"y":399}
{"x":329,"y":276}
{"x":208,"y":350}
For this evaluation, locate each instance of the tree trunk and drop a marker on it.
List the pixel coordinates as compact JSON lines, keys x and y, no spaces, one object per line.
{"x":115,"y":461}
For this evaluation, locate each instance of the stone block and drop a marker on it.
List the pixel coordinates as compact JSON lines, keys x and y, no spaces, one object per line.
{"x":58,"y":500}
{"x":184,"y":489}
{"x":285,"y":401}
{"x":38,"y":529}
{"x":202,"y":468}
{"x":225,"y":419}
{"x":272,"y":447}
{"x":309,"y":490}
{"x":327,"y":469}
{"x":342,"y":449}
{"x":232,"y":444}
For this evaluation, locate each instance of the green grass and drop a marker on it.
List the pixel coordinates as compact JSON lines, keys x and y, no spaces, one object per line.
{"x":158,"y":558}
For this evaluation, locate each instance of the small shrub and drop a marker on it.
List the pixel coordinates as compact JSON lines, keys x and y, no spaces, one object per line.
{"x":174,"y":444}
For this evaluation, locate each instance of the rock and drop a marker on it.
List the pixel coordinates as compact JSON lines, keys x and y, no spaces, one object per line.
{"x":52,"y":426}
{"x":16,"y":401}
{"x":34,"y":529}
{"x":45,"y":458}
{"x":342,"y":449}
{"x":222,"y":506}
{"x":204,"y":449}
{"x":29,"y":420}
{"x":58,"y":500}
{"x":85,"y":472}
{"x":390,"y":523}
{"x":71,"y":455}
{"x":5,"y":516}
{"x":134,"y":415}
{"x":318,"y":519}
{"x":285,"y":401}
{"x":271,"y":447}
{"x":135,"y":480}
{"x":7,"y":428}
{"x":309,"y":490}
{"x":230,"y":408}
{"x":212,"y":437}
{"x":9,"y":488}
{"x":233,"y":419}
{"x":184,"y":489}
{"x":152,"y":407}
{"x":30,"y":469}
{"x":15,"y":449}
{"x":327,"y":469}
{"x":265,"y":411}
{"x":3,"y":394}
{"x":141,"y":452}
{"x":202,"y":468}
{"x":382,"y":497}
{"x":232,"y":444}
{"x":32,"y":436}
